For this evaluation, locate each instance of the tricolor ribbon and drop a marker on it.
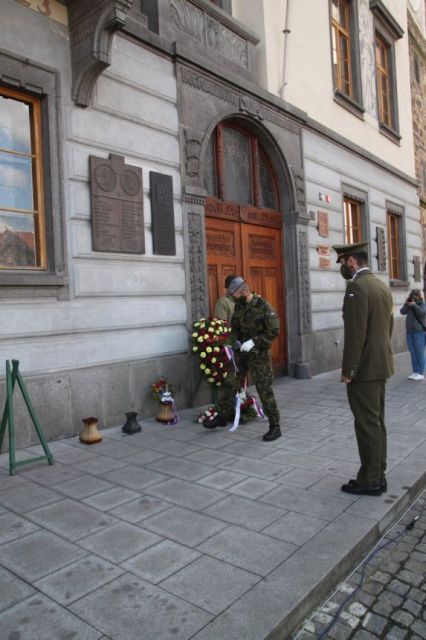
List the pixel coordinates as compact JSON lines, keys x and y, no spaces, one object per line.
{"x":230,"y":355}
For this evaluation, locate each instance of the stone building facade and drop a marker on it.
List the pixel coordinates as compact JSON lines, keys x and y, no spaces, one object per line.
{"x":162,"y":157}
{"x":417,"y":41}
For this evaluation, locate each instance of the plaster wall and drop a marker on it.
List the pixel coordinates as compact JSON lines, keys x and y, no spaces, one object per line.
{"x":309,"y":82}
{"x":122,"y":319}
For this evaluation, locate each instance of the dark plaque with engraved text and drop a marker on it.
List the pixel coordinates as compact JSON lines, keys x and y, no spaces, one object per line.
{"x":163,"y":219}
{"x":117,"y":205}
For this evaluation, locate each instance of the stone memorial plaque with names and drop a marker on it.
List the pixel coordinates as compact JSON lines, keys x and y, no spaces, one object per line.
{"x":381,"y":249}
{"x":117,"y":205}
{"x":162,"y":213}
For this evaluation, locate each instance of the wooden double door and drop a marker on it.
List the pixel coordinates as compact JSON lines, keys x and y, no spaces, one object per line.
{"x":255,"y":253}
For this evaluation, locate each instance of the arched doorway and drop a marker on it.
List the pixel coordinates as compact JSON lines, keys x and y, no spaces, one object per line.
{"x":244,"y":223}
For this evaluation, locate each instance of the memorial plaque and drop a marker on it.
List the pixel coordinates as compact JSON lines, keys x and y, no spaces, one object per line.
{"x":323,"y":224}
{"x":324,"y":253}
{"x":117,"y":205}
{"x":162,"y":213}
{"x":381,"y":249}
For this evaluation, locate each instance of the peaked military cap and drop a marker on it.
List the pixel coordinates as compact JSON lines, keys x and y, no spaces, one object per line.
{"x":345,"y":250}
{"x":235,"y":285}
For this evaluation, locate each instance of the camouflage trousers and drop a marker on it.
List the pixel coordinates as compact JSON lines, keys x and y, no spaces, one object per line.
{"x":259,"y":365}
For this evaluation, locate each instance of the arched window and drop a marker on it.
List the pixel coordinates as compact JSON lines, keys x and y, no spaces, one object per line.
{"x":238,"y":170}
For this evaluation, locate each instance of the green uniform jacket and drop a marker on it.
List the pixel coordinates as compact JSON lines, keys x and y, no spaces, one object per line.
{"x":368,"y":320}
{"x":255,"y":321}
{"x":224,"y":308}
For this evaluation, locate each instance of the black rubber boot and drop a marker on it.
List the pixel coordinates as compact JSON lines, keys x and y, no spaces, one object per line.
{"x":273,"y":433}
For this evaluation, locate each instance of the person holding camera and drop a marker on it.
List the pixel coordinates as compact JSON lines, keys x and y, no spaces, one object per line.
{"x":414,"y":309}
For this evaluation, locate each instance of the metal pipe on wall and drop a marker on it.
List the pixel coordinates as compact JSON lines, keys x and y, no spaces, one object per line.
{"x":286,"y":33}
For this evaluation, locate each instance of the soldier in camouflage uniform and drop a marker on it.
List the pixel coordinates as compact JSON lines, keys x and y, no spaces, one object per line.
{"x":254,"y":325}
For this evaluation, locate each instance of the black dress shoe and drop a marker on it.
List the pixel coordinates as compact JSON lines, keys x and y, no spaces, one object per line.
{"x":362,"y":489}
{"x":219,"y":421}
{"x":383,"y":484}
{"x":273,"y":433}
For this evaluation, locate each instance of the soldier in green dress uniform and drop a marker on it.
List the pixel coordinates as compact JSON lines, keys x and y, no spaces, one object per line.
{"x":254,"y":325}
{"x":367,"y":364}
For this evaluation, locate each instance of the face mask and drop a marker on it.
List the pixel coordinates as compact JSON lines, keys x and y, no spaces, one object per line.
{"x":346,"y":271}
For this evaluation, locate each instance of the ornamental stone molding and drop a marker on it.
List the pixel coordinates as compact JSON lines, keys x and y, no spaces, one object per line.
{"x":92,"y":26}
{"x":209,"y":31}
{"x":197,"y":265}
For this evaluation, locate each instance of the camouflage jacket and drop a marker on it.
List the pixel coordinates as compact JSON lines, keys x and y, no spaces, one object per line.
{"x":255,"y":321}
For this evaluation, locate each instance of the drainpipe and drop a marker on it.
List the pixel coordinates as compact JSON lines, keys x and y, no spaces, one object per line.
{"x":286,"y":33}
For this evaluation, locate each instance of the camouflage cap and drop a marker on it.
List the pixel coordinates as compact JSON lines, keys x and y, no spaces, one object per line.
{"x":345,"y":250}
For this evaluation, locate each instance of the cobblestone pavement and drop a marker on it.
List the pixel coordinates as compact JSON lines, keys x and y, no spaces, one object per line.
{"x":386,"y":596}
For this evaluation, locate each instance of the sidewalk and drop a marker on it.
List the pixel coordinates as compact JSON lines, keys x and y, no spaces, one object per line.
{"x":180,"y":532}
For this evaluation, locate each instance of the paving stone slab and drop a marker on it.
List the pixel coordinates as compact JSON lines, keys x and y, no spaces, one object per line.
{"x":132,"y":477}
{"x":12,"y":590}
{"x":139,"y":509}
{"x":248,"y":550}
{"x":183,"y":525}
{"x":38,"y":554}
{"x":309,"y":503}
{"x":144,"y":457}
{"x":13,"y":526}
{"x":78,"y":579}
{"x":98,"y":465}
{"x":296,"y":528}
{"x":39,"y":617}
{"x":106,"y":500}
{"x":130,"y":608}
{"x":160,"y":561}
{"x":259,"y":468}
{"x":245,"y":513}
{"x":181,"y":468}
{"x":83,"y":486}
{"x":252,"y":488}
{"x":70,"y":519}
{"x":222,"y":479}
{"x":225,"y":583}
{"x":186,"y":494}
{"x":119,"y":542}
{"x":28,"y":496}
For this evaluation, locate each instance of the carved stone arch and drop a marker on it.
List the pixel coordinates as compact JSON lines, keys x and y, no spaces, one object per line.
{"x":91,"y":33}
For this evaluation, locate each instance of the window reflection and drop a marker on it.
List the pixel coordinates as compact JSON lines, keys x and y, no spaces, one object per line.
{"x":15,"y":133}
{"x":16,"y":188}
{"x":17,"y":241}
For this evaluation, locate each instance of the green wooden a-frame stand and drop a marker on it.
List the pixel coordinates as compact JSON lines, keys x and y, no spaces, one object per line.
{"x":8,"y":419}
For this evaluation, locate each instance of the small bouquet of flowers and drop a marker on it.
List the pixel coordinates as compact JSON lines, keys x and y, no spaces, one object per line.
{"x":210,"y":338}
{"x":208,"y":415}
{"x":161,"y":390}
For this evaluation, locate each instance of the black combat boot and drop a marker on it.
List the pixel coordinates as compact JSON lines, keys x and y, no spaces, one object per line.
{"x":273,"y":433}
{"x":219,"y":421}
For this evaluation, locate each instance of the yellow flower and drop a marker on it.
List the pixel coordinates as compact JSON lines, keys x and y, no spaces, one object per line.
{"x":195,"y":334}
{"x":195,"y":348}
{"x":202,"y":367}
{"x":202,"y":354}
{"x":209,"y":349}
{"x":210,"y":379}
{"x":217,"y":349}
{"x":207,"y":372}
{"x":210,"y":329}
{"x":214,"y":360}
{"x":200,"y":339}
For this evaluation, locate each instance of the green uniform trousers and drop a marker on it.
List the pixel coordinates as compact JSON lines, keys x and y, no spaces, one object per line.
{"x":259,"y":364}
{"x":367,"y":403}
